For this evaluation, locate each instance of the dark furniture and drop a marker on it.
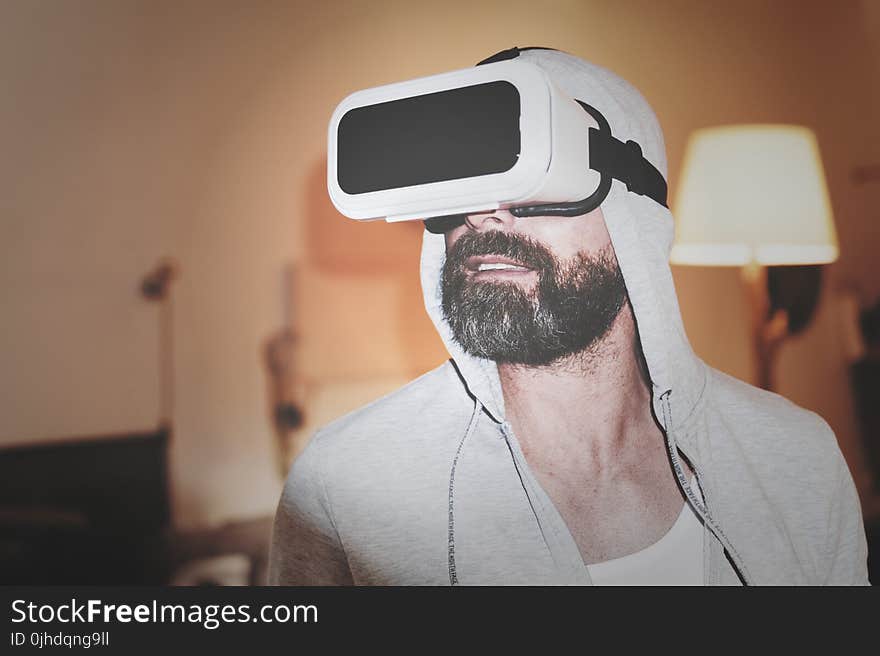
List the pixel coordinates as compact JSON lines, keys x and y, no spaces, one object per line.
{"x":85,"y":511}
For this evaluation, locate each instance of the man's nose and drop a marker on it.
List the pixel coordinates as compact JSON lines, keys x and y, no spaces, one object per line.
{"x":497,"y":220}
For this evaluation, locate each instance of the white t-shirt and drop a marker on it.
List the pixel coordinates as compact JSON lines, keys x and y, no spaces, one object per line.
{"x":675,"y":559}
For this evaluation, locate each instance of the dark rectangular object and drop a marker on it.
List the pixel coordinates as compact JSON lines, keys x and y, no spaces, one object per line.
{"x":447,"y":135}
{"x":117,"y":483}
{"x":85,"y":511}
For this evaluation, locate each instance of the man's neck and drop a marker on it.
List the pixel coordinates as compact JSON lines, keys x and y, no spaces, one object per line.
{"x":595,"y":406}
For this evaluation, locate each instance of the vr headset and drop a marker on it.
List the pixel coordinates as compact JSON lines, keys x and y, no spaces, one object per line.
{"x":500,"y":135}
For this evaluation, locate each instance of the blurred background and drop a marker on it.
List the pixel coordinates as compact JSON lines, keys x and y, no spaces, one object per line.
{"x":182,"y":306}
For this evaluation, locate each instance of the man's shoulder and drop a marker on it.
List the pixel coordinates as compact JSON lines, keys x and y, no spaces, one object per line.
{"x":376,"y":455}
{"x":768,"y":420}
{"x":781,"y":486}
{"x":421,"y":406}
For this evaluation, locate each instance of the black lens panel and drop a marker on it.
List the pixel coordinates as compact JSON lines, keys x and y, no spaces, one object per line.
{"x":447,"y":135}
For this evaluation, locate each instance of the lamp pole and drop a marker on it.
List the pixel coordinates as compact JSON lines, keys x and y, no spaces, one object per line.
{"x":768,"y":330}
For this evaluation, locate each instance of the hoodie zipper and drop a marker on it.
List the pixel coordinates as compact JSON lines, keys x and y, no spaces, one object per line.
{"x":702,"y":509}
{"x":554,"y":533}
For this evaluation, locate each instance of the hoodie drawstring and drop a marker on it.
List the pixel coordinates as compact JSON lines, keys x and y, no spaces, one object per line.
{"x":472,"y":424}
{"x":701,"y":509}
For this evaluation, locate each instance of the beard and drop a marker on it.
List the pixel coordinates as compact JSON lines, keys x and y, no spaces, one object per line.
{"x":568,"y":311}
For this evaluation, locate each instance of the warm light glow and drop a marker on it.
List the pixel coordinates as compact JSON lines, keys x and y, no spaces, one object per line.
{"x":753,"y":193}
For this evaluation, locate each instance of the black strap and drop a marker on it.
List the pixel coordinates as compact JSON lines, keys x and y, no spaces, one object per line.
{"x":510,"y":53}
{"x":625,"y":162}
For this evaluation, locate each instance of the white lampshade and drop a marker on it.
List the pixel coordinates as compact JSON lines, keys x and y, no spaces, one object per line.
{"x":753,"y":194}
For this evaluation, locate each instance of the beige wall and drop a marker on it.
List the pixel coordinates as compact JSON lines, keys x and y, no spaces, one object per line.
{"x":135,"y":130}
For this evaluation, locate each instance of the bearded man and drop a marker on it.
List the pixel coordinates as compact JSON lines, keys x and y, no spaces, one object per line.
{"x":573,"y":437}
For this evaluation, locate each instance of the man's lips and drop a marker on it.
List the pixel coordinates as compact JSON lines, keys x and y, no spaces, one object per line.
{"x":484,"y":266}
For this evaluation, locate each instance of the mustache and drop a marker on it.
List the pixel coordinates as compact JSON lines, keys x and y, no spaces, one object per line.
{"x":520,"y":248}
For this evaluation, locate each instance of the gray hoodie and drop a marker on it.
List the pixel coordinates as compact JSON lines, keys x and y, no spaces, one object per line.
{"x":429,"y":486}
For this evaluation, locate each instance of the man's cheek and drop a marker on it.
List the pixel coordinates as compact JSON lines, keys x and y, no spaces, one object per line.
{"x":452,"y":237}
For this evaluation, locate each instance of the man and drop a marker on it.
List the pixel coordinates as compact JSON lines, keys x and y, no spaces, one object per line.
{"x":574,"y":437}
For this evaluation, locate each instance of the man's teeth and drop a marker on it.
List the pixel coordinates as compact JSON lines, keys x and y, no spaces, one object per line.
{"x":500,"y":265}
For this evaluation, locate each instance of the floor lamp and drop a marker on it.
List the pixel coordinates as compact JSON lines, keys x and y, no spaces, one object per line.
{"x":754,"y":196}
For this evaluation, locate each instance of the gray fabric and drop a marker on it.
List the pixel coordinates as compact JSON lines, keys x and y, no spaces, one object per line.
{"x":429,"y":485}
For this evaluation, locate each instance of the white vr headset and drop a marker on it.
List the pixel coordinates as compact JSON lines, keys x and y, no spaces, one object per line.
{"x":500,"y":135}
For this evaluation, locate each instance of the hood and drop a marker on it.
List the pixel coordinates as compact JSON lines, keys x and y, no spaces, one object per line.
{"x":641,"y":233}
